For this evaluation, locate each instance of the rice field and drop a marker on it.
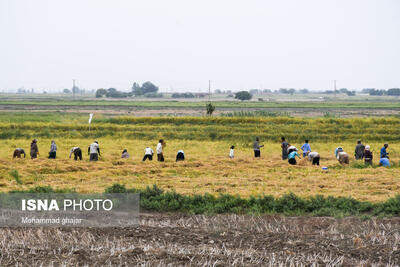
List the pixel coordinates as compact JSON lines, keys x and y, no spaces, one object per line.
{"x":207,"y":168}
{"x":206,"y":142}
{"x":181,"y":239}
{"x":233,"y":129}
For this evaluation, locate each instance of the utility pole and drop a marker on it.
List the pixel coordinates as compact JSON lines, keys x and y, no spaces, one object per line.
{"x":209,"y":106}
{"x":73,"y":89}
{"x":334,"y":82}
{"x":209,"y":90}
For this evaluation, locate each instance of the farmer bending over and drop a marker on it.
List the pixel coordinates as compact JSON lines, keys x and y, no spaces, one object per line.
{"x":384,"y":162}
{"x":18,"y":152}
{"x":292,"y":157}
{"x":314,"y":157}
{"x":180,"y":156}
{"x":148,"y":154}
{"x":77,"y":153}
{"x":291,"y":149}
{"x":342,"y":156}
{"x":125,"y":154}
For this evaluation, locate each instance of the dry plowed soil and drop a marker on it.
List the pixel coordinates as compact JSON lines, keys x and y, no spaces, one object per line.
{"x":222,"y":240}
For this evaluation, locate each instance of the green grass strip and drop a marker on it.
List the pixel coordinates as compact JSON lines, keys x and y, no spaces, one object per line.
{"x":156,"y":199}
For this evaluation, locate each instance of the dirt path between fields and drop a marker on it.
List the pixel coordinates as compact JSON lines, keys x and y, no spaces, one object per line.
{"x":198,"y":111}
{"x":223,"y":240}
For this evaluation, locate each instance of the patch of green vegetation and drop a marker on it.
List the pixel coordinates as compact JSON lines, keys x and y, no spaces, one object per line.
{"x":55,"y":117}
{"x":155,"y":199}
{"x":15,"y":174}
{"x":238,"y":129}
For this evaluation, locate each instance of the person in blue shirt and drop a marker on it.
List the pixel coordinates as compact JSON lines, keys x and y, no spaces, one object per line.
{"x":292,"y":157}
{"x":384,"y":162}
{"x":384,"y":153}
{"x":306,"y":148}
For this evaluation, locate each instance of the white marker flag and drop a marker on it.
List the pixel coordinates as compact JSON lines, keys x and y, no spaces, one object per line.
{"x":90,"y":117}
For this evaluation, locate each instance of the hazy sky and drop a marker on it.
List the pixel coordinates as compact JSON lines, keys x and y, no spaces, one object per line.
{"x":181,"y":44}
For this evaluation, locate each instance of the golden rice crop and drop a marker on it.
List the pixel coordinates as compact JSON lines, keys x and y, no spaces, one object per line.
{"x":207,"y":168}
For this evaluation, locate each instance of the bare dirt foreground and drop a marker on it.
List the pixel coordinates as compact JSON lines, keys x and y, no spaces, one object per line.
{"x":223,"y":240}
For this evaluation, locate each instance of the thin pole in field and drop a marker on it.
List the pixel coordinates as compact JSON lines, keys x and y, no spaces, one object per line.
{"x":73,"y":89}
{"x":209,"y":90}
{"x":90,"y":120}
{"x":334,"y":82}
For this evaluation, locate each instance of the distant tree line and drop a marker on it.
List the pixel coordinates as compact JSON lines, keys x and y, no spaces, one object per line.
{"x":147,"y":89}
{"x":380,"y":92}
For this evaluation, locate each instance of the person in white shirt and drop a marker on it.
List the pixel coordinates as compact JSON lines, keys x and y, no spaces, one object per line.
{"x":159,"y":150}
{"x":180,"y":156}
{"x":148,"y":154}
{"x":232,"y":152}
{"x":314,"y":157}
{"x":77,"y":153}
{"x":94,"y":151}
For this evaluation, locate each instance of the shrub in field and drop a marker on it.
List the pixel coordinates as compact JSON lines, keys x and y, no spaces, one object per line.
{"x":391,"y":206}
{"x":290,"y":203}
{"x":243,"y":95}
{"x":16,"y":176}
{"x":210,"y":109}
{"x":153,"y":198}
{"x":116,"y":188}
{"x":359,"y":164}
